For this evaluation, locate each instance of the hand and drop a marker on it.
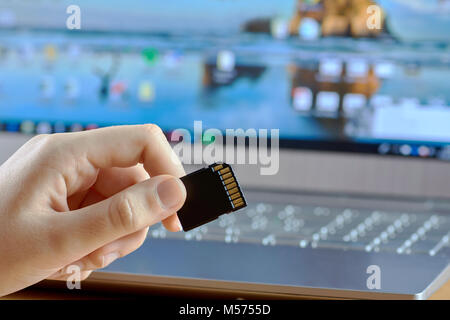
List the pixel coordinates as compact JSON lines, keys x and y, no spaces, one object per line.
{"x":85,"y":199}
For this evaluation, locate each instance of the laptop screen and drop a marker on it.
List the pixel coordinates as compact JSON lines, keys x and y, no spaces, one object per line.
{"x":363,"y":76}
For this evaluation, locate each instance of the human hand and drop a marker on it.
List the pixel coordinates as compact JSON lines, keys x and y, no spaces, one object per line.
{"x":84,"y":199}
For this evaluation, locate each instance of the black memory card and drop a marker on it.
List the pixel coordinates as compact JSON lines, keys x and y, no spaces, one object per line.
{"x":211,"y":192}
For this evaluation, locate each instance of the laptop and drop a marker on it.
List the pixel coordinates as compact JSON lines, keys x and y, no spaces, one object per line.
{"x":349,"y":194}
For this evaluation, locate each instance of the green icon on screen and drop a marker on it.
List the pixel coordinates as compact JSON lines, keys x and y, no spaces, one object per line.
{"x":150,"y":55}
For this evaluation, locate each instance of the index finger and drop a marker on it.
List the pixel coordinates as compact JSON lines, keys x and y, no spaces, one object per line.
{"x":124,"y":146}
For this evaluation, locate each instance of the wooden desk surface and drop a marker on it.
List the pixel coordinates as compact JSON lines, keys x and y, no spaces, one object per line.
{"x":443,"y":293}
{"x":36,"y":293}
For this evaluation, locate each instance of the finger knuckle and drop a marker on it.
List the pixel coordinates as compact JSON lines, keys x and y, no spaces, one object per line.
{"x":42,"y":140}
{"x":123,"y":215}
{"x":152,"y":129}
{"x":48,"y":143}
{"x":37,"y":138}
{"x":93,"y":261}
{"x":49,"y":149}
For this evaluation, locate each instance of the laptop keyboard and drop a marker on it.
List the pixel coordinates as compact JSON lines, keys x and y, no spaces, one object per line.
{"x":273,"y":224}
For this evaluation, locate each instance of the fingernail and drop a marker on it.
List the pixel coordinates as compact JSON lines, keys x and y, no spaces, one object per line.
{"x":171,"y":192}
{"x":179,"y":226}
{"x":109,"y":258}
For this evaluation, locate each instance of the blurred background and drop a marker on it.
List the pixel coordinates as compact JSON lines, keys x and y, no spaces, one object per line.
{"x":312,"y":68}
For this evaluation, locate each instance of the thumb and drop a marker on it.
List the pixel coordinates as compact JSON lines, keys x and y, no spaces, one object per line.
{"x":82,"y":231}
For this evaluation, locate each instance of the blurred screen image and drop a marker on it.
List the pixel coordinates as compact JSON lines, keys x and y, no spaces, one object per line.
{"x":325,"y":72}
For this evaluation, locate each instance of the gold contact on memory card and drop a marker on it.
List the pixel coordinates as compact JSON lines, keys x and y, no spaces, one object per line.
{"x":238,"y":202}
{"x":227,"y":181}
{"x":223,"y":171}
{"x":234,"y":196}
{"x":227,"y":175}
{"x":216,"y":191}
{"x":231,"y":186}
